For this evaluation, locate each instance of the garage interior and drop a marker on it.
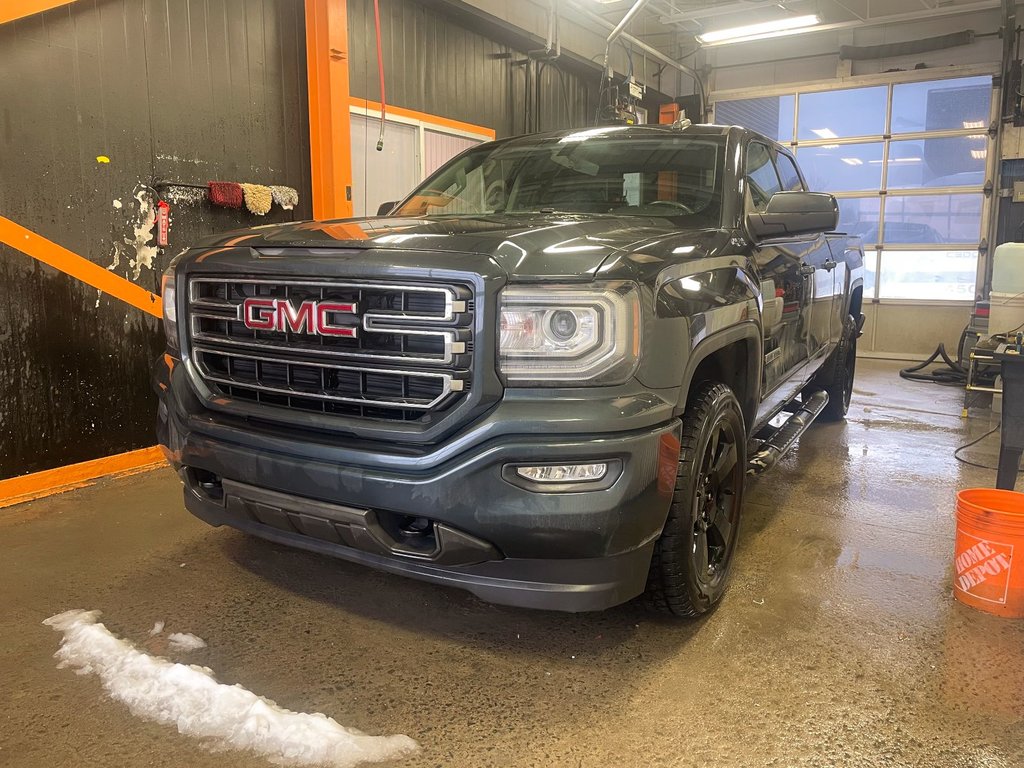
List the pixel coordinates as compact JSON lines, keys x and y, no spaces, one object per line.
{"x":839,"y":641}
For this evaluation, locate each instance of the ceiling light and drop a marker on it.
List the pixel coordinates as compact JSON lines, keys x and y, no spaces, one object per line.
{"x":788,"y":26}
{"x":853,"y":161}
{"x":974,"y":123}
{"x":824,"y":133}
{"x":979,"y":154}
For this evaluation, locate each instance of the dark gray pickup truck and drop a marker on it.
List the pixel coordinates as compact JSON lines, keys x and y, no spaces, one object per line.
{"x":542,"y":377}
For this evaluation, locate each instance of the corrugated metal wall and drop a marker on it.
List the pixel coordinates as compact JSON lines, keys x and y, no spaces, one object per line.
{"x":434,"y":66}
{"x":166,"y":89}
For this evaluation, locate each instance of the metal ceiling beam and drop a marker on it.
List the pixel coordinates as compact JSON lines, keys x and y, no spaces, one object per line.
{"x":718,"y":10}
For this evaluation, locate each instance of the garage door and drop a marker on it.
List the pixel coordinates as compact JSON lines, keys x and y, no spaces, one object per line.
{"x":908,"y":162}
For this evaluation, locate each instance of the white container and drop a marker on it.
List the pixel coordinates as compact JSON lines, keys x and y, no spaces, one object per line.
{"x":1007,"y":312}
{"x":1008,"y":269}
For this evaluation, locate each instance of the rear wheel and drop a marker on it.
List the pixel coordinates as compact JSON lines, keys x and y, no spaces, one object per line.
{"x":839,"y":372}
{"x":691,"y":560}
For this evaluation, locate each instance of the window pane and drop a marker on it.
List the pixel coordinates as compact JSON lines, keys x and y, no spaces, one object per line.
{"x":787,"y":172}
{"x":942,"y":105}
{"x":950,"y":162}
{"x":870,"y":271}
{"x":842,"y":114}
{"x":928,"y":274}
{"x":859,"y":216}
{"x":762,"y":181}
{"x":933,"y":219}
{"x":772,"y":115}
{"x":842,"y":167}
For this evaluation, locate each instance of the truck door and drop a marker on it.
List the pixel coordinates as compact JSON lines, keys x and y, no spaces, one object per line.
{"x":786,"y":283}
{"x":820,"y":269}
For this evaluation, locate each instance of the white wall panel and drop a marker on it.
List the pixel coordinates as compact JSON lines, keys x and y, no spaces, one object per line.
{"x":390,"y":174}
{"x":439,"y":148}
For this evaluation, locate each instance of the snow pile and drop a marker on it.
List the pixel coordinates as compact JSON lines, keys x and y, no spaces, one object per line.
{"x":184,"y":641}
{"x":224,"y":716}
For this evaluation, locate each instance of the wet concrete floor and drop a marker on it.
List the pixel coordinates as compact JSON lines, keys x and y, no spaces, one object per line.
{"x":838,"y":643}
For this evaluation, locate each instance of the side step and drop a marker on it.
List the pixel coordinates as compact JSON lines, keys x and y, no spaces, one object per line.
{"x":783,"y":438}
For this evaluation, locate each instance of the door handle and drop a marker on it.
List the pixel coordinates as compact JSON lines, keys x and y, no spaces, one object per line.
{"x":806,"y":269}
{"x":830,"y":264}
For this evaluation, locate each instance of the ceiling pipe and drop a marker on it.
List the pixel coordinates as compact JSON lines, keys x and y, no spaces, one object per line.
{"x":618,"y":29}
{"x":654,"y":53}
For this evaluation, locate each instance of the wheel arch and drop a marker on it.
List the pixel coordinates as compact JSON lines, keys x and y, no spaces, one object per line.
{"x":732,"y":357}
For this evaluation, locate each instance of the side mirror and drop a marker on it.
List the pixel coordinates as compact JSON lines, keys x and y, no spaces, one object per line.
{"x":790,"y":214}
{"x":385,"y":208}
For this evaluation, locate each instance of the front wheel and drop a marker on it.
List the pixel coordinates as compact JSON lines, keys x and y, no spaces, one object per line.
{"x":691,"y":560}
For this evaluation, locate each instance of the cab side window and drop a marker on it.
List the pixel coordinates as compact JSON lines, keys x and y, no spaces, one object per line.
{"x":788,"y":173}
{"x":761,"y":179}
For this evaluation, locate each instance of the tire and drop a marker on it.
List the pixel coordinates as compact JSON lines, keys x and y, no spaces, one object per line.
{"x":690,"y":565}
{"x":838,"y":374}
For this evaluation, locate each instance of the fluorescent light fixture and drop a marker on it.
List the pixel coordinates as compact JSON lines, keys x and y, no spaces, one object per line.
{"x":853,"y":161}
{"x":689,"y":284}
{"x":979,"y":154}
{"x":684,"y":249}
{"x":824,"y":133}
{"x":788,"y":26}
{"x":974,"y":123}
{"x":897,"y":160}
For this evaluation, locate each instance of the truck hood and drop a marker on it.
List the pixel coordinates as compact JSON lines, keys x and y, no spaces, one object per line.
{"x":544,"y":246}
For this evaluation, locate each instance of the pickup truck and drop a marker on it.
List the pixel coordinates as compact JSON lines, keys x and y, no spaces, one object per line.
{"x":543,"y":377}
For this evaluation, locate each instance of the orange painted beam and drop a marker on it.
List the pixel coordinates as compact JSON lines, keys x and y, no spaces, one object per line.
{"x":330,"y":136}
{"x":11,"y":10}
{"x":440,"y":122}
{"x":18,"y":490}
{"x":60,"y":258}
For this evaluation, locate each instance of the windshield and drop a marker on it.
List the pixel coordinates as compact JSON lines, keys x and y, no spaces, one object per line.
{"x":594,"y":172}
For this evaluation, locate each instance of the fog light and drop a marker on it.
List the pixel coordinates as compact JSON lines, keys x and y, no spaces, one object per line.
{"x":564,"y":473}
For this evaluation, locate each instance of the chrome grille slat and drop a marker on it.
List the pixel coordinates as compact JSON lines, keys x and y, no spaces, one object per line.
{"x":410,"y":357}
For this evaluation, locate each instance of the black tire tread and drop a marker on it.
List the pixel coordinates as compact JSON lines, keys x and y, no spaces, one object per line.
{"x":831,"y":378}
{"x":666,"y":582}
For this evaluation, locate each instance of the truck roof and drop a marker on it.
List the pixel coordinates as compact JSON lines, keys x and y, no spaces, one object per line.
{"x":643,"y":131}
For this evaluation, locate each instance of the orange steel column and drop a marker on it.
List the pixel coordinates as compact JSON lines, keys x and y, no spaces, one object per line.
{"x":330,"y":139}
{"x":17,"y":9}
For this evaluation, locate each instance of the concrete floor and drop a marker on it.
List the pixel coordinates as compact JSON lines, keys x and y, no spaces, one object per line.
{"x":838,"y":644}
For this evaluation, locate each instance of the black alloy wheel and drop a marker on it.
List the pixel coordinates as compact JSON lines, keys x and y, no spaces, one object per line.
{"x":690,"y":565}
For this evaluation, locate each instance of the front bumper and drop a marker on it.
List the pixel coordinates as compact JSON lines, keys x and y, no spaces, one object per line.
{"x":572,"y":551}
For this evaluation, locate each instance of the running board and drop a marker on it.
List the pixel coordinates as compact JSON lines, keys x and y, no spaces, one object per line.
{"x":785,"y":437}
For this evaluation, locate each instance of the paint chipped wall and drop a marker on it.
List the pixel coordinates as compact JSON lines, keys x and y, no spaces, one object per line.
{"x":98,"y":102}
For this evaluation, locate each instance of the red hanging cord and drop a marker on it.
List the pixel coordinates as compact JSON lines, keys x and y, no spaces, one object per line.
{"x":380,"y":73}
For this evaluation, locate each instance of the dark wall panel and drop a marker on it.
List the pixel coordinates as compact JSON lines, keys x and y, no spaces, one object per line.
{"x":184,"y":90}
{"x":441,"y":66}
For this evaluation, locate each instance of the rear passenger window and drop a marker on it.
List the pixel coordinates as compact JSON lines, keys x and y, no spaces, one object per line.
{"x":788,"y":173}
{"x":762,"y":180}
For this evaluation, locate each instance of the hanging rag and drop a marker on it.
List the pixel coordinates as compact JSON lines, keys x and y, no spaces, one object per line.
{"x":286,"y":197}
{"x":226,"y":194}
{"x":257,"y":198}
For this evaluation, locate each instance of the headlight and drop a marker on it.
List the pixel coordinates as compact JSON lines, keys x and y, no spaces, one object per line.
{"x":168,"y":296}
{"x":583,"y":335}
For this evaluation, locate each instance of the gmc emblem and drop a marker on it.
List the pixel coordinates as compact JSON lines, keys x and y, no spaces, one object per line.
{"x":310,"y":317}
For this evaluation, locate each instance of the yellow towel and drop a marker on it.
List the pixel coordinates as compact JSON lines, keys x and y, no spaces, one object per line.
{"x":257,"y":198}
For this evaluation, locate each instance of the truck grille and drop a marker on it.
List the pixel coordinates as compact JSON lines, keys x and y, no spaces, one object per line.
{"x":369,"y":349}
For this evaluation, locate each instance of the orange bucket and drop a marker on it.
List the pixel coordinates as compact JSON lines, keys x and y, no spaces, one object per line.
{"x":989,"y":552}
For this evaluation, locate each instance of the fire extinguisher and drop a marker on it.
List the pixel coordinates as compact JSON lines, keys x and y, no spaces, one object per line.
{"x":163,"y":223}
